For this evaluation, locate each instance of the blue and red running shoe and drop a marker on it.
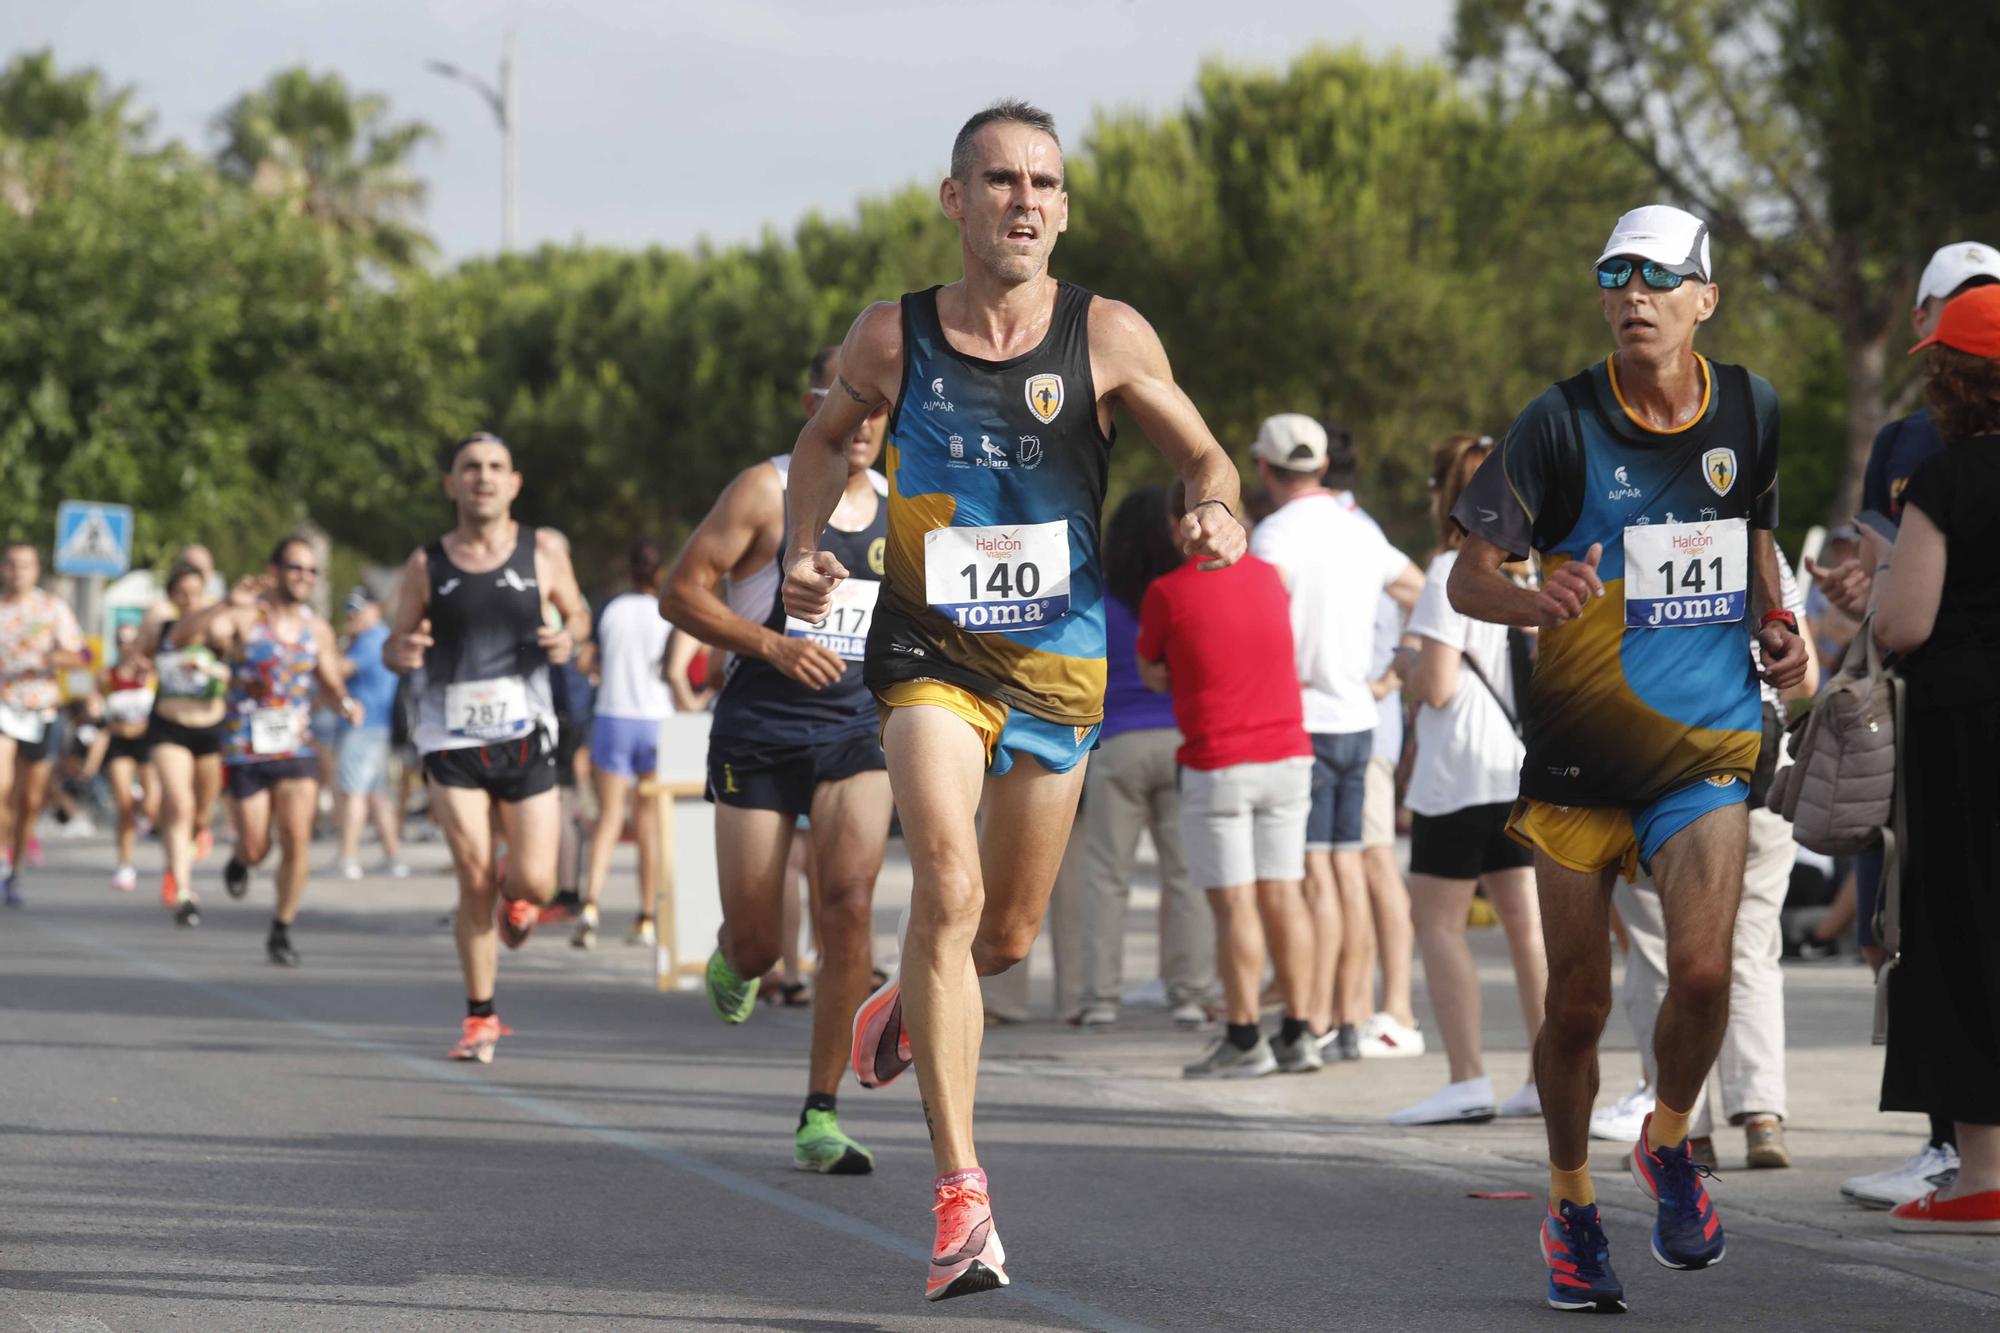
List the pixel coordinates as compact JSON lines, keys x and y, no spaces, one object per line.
{"x":1686,"y":1233}
{"x":1579,"y":1260}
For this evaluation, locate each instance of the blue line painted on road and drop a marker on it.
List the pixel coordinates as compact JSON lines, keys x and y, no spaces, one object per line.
{"x":1053,"y":1302}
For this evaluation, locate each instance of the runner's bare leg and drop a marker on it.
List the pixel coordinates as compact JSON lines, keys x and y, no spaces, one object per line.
{"x":850,"y":821}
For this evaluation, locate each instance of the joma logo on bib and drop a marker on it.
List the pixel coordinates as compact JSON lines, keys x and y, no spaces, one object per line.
{"x":1695,"y":611}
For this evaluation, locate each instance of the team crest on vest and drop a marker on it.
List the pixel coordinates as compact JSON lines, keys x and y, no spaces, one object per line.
{"x":1718,"y":467}
{"x":1045,"y":397}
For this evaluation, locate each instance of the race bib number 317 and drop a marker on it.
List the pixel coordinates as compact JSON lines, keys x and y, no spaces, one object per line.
{"x":1001,"y":578}
{"x":845,"y":629}
{"x":1679,"y":574}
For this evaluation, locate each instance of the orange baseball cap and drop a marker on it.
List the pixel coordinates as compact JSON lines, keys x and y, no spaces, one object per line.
{"x":1969,"y":322}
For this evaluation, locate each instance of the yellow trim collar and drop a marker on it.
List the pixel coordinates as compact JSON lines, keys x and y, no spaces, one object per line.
{"x":1707,"y":392}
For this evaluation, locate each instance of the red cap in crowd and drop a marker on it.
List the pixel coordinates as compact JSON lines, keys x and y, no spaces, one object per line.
{"x":1969,"y":322}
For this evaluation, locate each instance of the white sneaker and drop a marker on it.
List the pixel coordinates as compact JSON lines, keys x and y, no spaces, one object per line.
{"x":1523,"y":1105}
{"x":1621,"y":1121}
{"x":1383,"y":1038}
{"x":1469,"y":1102}
{"x":350,"y":870}
{"x":1933,"y":1168}
{"x":1188,"y":1015}
{"x":393,"y":869}
{"x":1097,"y":1015}
{"x":125,"y":879}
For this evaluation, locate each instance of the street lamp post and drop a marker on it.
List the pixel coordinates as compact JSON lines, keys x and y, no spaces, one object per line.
{"x":505,"y":110}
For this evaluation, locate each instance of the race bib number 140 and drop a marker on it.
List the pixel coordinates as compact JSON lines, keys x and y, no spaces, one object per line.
{"x":1000,"y":578}
{"x":1679,"y":574}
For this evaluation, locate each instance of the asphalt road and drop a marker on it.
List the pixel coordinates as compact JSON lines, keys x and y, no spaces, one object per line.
{"x":191,"y":1138}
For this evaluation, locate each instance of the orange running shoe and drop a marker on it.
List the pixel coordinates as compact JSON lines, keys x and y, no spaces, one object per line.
{"x":881,"y":1048}
{"x":204,"y":843}
{"x":517,"y":921}
{"x":170,"y":892}
{"x":967,"y":1257}
{"x":479,"y":1038}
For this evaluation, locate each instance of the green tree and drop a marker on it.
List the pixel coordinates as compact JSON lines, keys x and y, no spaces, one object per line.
{"x":1831,"y":144}
{"x":332,"y":155}
{"x":1355,"y":238}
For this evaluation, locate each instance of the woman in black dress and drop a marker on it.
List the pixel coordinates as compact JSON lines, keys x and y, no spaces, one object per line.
{"x":1940,"y":605}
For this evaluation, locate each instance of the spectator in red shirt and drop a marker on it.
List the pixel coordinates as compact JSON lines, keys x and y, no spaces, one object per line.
{"x":1221,"y":641}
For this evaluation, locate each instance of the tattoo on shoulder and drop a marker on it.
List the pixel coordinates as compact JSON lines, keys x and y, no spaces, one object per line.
{"x":850,"y":390}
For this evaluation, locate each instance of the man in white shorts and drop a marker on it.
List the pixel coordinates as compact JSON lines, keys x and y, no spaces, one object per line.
{"x":1220,"y":640}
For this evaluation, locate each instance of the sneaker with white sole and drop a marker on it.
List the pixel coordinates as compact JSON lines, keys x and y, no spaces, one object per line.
{"x":1226,"y":1060}
{"x":1934,"y":1167}
{"x":1620,"y":1121}
{"x":350,"y":870}
{"x":1525,"y":1104}
{"x":1383,"y":1038}
{"x":125,"y":879}
{"x":1097,"y":1015}
{"x":1468,"y":1103}
{"x":1299,"y":1056}
{"x":1189,"y":1015}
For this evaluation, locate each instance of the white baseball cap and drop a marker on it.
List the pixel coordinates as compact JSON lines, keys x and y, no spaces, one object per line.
{"x":1293,"y":441}
{"x":1671,"y":237}
{"x":1950,"y":267}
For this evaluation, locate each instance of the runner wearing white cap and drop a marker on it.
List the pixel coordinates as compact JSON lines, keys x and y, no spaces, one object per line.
{"x":1648,"y":484}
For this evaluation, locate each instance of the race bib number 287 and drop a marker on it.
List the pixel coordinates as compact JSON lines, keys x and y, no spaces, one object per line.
{"x":999,"y":578}
{"x":1680,"y":574}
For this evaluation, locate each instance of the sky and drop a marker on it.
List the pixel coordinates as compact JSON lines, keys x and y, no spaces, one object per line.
{"x":665,"y":121}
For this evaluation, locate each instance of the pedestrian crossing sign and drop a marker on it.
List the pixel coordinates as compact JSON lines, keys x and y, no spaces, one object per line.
{"x":93,"y":539}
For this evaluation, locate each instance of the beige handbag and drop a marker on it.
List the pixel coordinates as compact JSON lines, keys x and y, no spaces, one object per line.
{"x":1843,"y":794}
{"x":1840,"y":791}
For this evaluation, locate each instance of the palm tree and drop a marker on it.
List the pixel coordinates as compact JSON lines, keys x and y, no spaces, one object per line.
{"x":47,"y":117}
{"x":331,"y":155}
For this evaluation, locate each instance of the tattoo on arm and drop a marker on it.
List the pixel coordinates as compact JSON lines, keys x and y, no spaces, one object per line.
{"x":850,"y":390}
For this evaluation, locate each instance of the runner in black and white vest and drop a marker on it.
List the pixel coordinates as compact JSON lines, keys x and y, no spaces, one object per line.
{"x":794,"y":735}
{"x":483,"y":612}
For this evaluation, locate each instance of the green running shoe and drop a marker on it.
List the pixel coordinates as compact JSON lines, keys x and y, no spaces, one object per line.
{"x":729,"y":995}
{"x":821,"y":1146}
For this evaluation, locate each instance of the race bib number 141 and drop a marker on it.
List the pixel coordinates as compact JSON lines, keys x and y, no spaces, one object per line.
{"x":1680,"y":574}
{"x":998,"y":578}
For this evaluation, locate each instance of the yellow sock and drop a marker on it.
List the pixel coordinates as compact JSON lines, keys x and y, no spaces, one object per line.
{"x":1668,"y":1128}
{"x":1573,"y":1185}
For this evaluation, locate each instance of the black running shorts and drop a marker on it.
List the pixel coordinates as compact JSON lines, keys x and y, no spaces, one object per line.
{"x":201,"y":742}
{"x":136,"y":748}
{"x":507,"y":771}
{"x":1466,"y":844}
{"x":253,"y":779}
{"x":751,"y":776}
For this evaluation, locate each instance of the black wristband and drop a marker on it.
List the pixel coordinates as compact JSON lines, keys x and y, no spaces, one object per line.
{"x":1225,"y":508}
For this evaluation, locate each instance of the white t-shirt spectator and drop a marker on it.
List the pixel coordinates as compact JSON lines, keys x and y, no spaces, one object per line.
{"x":1467,"y":752}
{"x":1388,"y":635}
{"x":1336,"y":564}
{"x":631,"y":641}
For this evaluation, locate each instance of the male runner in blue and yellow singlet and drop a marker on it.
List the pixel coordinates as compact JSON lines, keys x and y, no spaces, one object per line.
{"x":1649,"y":486}
{"x":986,"y":655}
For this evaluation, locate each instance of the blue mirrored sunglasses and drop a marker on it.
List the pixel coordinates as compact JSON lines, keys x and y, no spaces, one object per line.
{"x":1615,"y":273}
